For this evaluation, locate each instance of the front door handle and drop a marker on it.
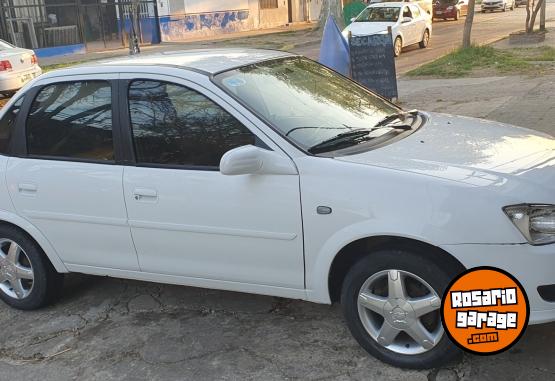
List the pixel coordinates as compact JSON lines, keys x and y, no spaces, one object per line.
{"x":27,"y":189}
{"x":145,"y":194}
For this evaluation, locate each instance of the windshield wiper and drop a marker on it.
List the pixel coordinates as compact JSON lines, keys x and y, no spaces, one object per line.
{"x":397,"y":116}
{"x":339,"y":140}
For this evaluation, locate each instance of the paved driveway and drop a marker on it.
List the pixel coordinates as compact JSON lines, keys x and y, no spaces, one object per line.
{"x":113,"y":329}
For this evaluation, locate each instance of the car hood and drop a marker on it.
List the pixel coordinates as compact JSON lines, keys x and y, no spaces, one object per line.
{"x":468,"y":150}
{"x":366,"y":28}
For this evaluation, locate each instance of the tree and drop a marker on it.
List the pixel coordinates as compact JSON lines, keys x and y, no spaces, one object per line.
{"x":468,"y":24}
{"x":134,"y":47}
{"x":532,"y":13}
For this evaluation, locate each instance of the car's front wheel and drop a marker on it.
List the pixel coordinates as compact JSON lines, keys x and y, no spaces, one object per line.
{"x":391,"y":300}
{"x":397,"y":46}
{"x":425,"y":39}
{"x":27,"y":279}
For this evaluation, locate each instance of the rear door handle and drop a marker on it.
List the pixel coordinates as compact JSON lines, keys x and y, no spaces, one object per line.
{"x":28,"y":189}
{"x":145,"y":194}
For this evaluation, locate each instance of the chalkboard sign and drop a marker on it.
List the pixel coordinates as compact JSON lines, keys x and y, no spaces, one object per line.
{"x":373,"y":63}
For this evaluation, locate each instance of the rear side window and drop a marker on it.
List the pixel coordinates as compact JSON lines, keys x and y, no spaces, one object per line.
{"x":415,"y":11}
{"x":6,"y":125}
{"x":72,"y":120}
{"x":176,"y":126}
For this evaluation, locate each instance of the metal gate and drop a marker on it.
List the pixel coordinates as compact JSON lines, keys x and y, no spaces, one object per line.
{"x":96,"y":24}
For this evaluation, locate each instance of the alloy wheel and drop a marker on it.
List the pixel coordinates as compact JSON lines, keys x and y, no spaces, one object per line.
{"x":400,"y":311}
{"x":16,"y":271}
{"x":398,"y":46}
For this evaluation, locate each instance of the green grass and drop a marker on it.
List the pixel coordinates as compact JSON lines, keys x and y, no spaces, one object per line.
{"x":540,"y":54}
{"x":463,"y":61}
{"x":47,"y":68}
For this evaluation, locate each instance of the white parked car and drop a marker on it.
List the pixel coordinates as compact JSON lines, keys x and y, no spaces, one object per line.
{"x":409,"y":23}
{"x":265,"y":172}
{"x":498,"y":5}
{"x":17,"y":67}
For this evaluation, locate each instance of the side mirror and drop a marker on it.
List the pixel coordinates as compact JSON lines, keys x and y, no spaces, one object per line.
{"x":251,"y":160}
{"x":407,"y":19}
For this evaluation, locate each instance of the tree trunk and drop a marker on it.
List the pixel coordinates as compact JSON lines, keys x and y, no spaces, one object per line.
{"x":531,"y":15}
{"x":468,"y":24}
{"x":529,"y":4}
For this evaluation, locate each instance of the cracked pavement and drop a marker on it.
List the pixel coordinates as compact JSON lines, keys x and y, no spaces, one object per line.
{"x":107,"y":328}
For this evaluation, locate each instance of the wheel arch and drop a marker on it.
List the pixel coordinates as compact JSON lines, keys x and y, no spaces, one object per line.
{"x":360,"y":248}
{"x":33,"y":233}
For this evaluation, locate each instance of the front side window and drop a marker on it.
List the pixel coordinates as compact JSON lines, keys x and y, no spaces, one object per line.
{"x":176,"y":126}
{"x":306,"y":102}
{"x":72,"y":120}
{"x":7,"y":124}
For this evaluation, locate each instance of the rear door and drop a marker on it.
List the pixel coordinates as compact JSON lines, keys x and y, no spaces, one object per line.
{"x":419,"y":22}
{"x":66,"y":179}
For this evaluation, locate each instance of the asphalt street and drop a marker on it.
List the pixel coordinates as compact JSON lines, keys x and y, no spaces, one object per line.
{"x":447,"y":36}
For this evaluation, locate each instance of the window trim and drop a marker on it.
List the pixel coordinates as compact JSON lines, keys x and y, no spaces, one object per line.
{"x":20,"y":140}
{"x":127,"y":129}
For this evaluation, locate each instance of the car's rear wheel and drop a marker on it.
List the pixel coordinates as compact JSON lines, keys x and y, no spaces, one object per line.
{"x":425,"y":39}
{"x":27,"y":279}
{"x":397,"y":46}
{"x":391,"y":300}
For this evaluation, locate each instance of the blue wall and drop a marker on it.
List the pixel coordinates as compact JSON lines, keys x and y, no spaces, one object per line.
{"x":60,"y":50}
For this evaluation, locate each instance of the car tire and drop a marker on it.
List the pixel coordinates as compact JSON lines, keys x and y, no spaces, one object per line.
{"x":28,"y":280}
{"x":425,"y":40}
{"x":397,"y":46}
{"x":398,"y":348}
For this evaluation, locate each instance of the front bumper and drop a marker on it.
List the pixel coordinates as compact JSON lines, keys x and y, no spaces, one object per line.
{"x":489,"y":7}
{"x":533,"y":266}
{"x":445,"y":14}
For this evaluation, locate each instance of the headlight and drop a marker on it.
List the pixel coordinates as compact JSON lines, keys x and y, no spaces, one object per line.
{"x":535,"y":222}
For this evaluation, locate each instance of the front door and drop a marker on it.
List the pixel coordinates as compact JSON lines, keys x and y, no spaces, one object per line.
{"x":189,"y":220}
{"x":67,"y":182}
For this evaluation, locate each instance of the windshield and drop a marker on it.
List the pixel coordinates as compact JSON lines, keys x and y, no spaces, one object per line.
{"x":306,"y":102}
{"x":379,"y":14}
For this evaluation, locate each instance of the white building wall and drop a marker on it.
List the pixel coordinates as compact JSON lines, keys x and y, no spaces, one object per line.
{"x":182,"y":20}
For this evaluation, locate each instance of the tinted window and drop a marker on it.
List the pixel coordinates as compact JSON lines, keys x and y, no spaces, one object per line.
{"x":6,"y":125}
{"x":72,"y":120}
{"x":174,"y":125}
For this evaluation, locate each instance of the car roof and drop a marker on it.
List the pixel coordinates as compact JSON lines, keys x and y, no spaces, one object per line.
{"x":207,"y":61}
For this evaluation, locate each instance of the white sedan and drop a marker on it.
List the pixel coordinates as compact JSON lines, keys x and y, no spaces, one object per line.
{"x":17,"y":67}
{"x":265,"y":172}
{"x":409,"y":23}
